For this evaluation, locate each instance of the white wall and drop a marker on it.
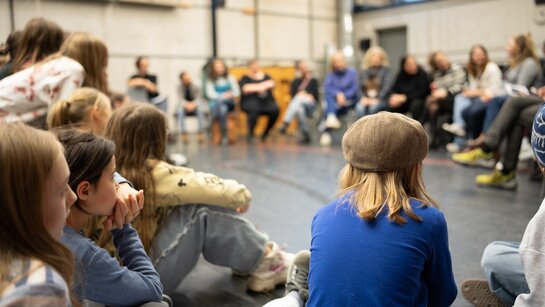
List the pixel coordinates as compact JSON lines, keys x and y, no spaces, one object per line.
{"x":179,"y":38}
{"x":453,"y":26}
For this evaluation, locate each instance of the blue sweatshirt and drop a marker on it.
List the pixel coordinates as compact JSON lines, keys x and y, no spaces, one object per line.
{"x":345,"y":81}
{"x":380,"y":263}
{"x":103,"y":280}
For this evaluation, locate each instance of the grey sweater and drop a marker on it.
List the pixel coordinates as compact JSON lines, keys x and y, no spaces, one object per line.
{"x":526,"y":73}
{"x":103,"y":280}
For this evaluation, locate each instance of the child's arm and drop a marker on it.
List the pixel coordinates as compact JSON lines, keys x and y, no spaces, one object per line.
{"x":438,"y":273}
{"x":181,"y":186}
{"x":104,"y":280}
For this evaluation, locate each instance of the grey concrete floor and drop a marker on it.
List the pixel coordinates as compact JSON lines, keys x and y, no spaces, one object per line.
{"x":289,"y":183}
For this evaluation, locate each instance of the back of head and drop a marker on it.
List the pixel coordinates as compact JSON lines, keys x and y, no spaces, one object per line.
{"x":28,"y":157}
{"x":538,"y":137}
{"x":139,"y":133}
{"x":384,"y":154}
{"x":13,"y":43}
{"x":526,"y":47}
{"x":91,"y":52}
{"x":40,"y":38}
{"x":432,"y":62}
{"x":117,"y":99}
{"x":76,"y":109}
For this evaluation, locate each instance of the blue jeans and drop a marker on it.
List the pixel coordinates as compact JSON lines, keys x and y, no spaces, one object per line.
{"x":461,"y":103}
{"x":492,"y":110}
{"x":219,"y":110}
{"x":333,"y":108}
{"x":302,"y":108}
{"x":220,"y":235}
{"x":181,"y":118}
{"x":161,"y":102}
{"x":473,"y":116}
{"x":503,"y":270}
{"x":362,"y":110}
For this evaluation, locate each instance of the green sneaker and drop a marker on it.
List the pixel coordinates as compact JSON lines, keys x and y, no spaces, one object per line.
{"x":497,"y":180}
{"x":475,"y":157}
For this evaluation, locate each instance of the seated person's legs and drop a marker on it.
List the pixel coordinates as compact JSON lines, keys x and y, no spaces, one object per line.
{"x":362,"y":110}
{"x":180,"y":114}
{"x":219,"y":113}
{"x":190,"y":230}
{"x":503,"y":270}
{"x":493,"y":108}
{"x":473,"y":116}
{"x":271,"y":112}
{"x":296,"y":105}
{"x":417,"y":107}
{"x":516,"y":114}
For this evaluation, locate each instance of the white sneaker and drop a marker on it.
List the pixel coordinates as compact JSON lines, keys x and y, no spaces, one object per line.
{"x":286,"y":301}
{"x":271,"y":271}
{"x":178,"y":159}
{"x":325,"y":139}
{"x":454,"y":129}
{"x":332,"y":122}
{"x":526,"y":152}
{"x":454,"y":148}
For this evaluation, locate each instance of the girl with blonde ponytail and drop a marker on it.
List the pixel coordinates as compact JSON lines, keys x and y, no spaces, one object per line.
{"x":85,"y":106}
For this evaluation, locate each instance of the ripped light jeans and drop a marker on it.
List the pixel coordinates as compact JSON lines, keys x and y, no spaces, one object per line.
{"x":220,"y":235}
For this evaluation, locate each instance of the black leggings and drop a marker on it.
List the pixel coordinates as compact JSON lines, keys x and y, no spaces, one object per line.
{"x":271,"y":111}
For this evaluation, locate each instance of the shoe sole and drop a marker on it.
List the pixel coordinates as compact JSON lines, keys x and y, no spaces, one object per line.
{"x":454,"y":132}
{"x":476,"y":292}
{"x":484,"y":164}
{"x":502,"y":186}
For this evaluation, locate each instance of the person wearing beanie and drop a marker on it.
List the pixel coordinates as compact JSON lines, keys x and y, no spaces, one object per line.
{"x":515,"y":272}
{"x":532,"y":247}
{"x":383,"y":242}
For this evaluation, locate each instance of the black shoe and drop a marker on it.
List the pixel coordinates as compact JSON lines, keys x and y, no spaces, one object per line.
{"x":283,"y":129}
{"x":305,"y":139}
{"x":536,"y":174}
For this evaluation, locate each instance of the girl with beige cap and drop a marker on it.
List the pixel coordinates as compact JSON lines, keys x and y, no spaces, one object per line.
{"x":383,"y":242}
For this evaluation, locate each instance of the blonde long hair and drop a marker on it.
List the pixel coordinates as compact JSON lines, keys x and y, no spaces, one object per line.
{"x":39,"y":39}
{"x":139,"y":133}
{"x":526,"y":47}
{"x":76,"y":109}
{"x":366,"y":62}
{"x":371,"y":192}
{"x":91,"y":52}
{"x":28,"y":156}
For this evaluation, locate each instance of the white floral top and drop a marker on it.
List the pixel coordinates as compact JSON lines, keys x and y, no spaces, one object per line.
{"x":29,"y":93}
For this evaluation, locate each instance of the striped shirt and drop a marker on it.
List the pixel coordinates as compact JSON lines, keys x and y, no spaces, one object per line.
{"x":33,"y":283}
